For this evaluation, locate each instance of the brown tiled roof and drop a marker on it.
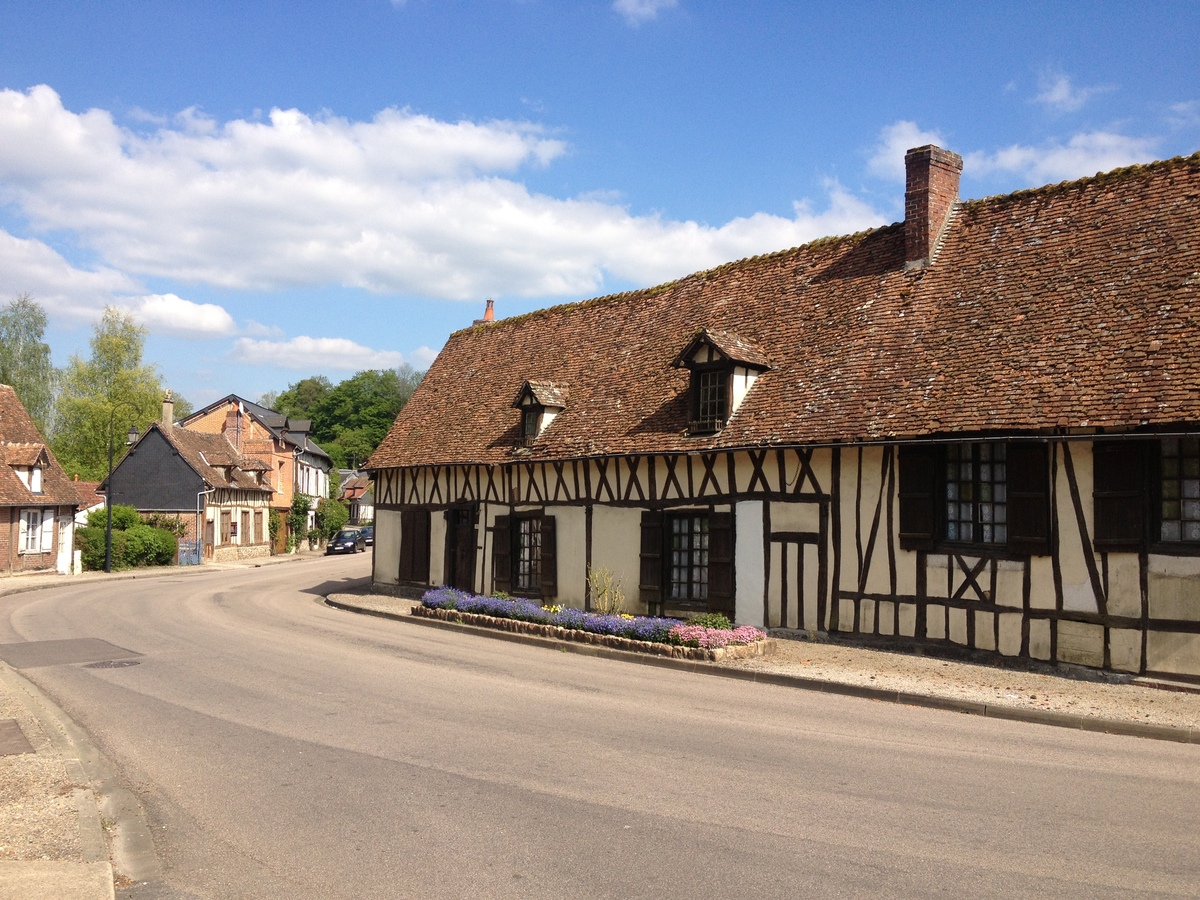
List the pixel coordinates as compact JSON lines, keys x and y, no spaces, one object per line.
{"x":214,"y":458}
{"x":89,"y":492}
{"x":23,"y":445}
{"x":1073,"y":305}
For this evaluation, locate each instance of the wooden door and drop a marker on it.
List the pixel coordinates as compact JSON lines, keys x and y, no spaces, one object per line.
{"x":461,"y":547}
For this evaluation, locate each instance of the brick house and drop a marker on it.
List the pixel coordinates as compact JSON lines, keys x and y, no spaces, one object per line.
{"x":37,"y":500}
{"x":221,"y":496}
{"x":979,"y":427}
{"x":296,"y":464}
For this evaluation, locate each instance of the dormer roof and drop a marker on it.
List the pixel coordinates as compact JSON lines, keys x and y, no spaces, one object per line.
{"x":730,"y":346}
{"x":544,"y":393}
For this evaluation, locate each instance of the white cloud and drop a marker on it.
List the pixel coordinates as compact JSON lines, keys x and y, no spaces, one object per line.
{"x":32,"y":267}
{"x":1184,"y":115}
{"x":1059,"y":95}
{"x":1081,"y":155}
{"x":635,"y":12}
{"x":258,"y":329}
{"x":398,"y":204}
{"x":313,"y":354}
{"x":169,"y":314}
{"x":887,"y":157}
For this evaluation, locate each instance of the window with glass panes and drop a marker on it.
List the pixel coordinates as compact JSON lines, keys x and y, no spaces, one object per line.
{"x":976,"y":493}
{"x":1180,"y":512}
{"x":689,"y":557}
{"x":711,"y":388}
{"x":528,"y":554}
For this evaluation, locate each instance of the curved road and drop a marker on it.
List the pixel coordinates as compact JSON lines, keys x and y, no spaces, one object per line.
{"x":284,"y":749}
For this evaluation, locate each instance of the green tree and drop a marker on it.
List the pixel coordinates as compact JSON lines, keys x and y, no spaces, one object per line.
{"x":103,"y":395}
{"x":25,"y":358}
{"x":352,"y":419}
{"x":301,"y":399}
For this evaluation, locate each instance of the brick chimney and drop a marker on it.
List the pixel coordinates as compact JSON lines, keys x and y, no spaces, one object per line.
{"x":931,"y":189}
{"x":168,"y":412}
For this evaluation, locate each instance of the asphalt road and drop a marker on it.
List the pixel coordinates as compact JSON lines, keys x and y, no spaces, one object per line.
{"x":283,"y":749}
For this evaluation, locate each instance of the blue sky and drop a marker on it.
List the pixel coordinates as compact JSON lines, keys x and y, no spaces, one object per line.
{"x":282,"y":189}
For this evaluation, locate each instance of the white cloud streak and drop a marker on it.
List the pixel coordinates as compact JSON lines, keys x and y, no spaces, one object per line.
{"x":637,"y":12}
{"x":1057,"y":94}
{"x":400,"y":204}
{"x":314,"y":354}
{"x":1077,"y":157}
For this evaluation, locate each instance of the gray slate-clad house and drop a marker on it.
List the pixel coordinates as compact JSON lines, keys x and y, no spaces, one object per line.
{"x":978,"y":427}
{"x":223,"y":497}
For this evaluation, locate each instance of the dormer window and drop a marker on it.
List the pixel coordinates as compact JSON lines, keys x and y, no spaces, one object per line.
{"x":540,"y":402}
{"x":724,"y":367}
{"x":31,"y":477}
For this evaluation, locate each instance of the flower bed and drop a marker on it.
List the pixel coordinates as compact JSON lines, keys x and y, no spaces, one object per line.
{"x":646,"y":634}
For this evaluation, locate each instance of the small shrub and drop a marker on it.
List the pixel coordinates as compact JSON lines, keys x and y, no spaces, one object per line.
{"x":710,"y":620}
{"x":607,"y":598}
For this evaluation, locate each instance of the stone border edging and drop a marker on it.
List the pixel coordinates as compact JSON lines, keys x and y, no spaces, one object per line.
{"x":576,"y":635}
{"x":906,"y":698}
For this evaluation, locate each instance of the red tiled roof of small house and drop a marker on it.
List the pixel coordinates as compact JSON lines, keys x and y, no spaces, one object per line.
{"x":22,"y":445}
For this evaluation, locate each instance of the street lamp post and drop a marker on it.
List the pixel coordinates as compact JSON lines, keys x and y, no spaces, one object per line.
{"x":133,"y":436}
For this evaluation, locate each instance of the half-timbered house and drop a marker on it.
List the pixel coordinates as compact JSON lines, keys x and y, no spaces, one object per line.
{"x":979,"y":428}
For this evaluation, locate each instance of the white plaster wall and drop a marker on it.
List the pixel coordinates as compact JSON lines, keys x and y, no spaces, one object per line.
{"x":748,"y":563}
{"x":1172,"y":589}
{"x":571,"y":533}
{"x":437,"y":547}
{"x":386,"y":558}
{"x":617,"y":546}
{"x":1078,"y":593}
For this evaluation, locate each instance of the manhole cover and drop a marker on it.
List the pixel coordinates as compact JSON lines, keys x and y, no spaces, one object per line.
{"x":113,"y":664}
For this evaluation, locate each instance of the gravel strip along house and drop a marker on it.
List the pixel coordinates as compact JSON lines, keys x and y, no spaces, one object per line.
{"x":979,"y":428}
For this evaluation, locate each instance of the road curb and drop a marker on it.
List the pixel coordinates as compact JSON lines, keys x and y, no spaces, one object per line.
{"x":906,"y":698}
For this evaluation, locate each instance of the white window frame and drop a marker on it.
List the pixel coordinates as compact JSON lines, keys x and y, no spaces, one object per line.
{"x":36,"y":531}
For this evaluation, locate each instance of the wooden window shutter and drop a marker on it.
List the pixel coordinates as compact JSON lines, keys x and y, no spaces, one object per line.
{"x":549,"y":560}
{"x":918,"y":496}
{"x":1029,"y":498}
{"x":501,"y":555}
{"x":1119,"y":493}
{"x":650,"y":580}
{"x":47,"y":531}
{"x":720,"y":563}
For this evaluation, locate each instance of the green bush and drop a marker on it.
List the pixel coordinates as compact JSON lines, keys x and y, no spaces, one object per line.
{"x":122,"y":517}
{"x":710,"y":620}
{"x":138,"y":545}
{"x":331,"y":517}
{"x":146,"y":546}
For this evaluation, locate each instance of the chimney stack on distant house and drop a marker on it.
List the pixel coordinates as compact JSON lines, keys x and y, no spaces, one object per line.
{"x":168,"y":412}
{"x":233,"y":427}
{"x":931,"y":189}
{"x":489,"y":314}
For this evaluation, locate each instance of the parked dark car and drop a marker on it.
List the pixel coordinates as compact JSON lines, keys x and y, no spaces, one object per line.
{"x":368,"y":533}
{"x":348,"y":540}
